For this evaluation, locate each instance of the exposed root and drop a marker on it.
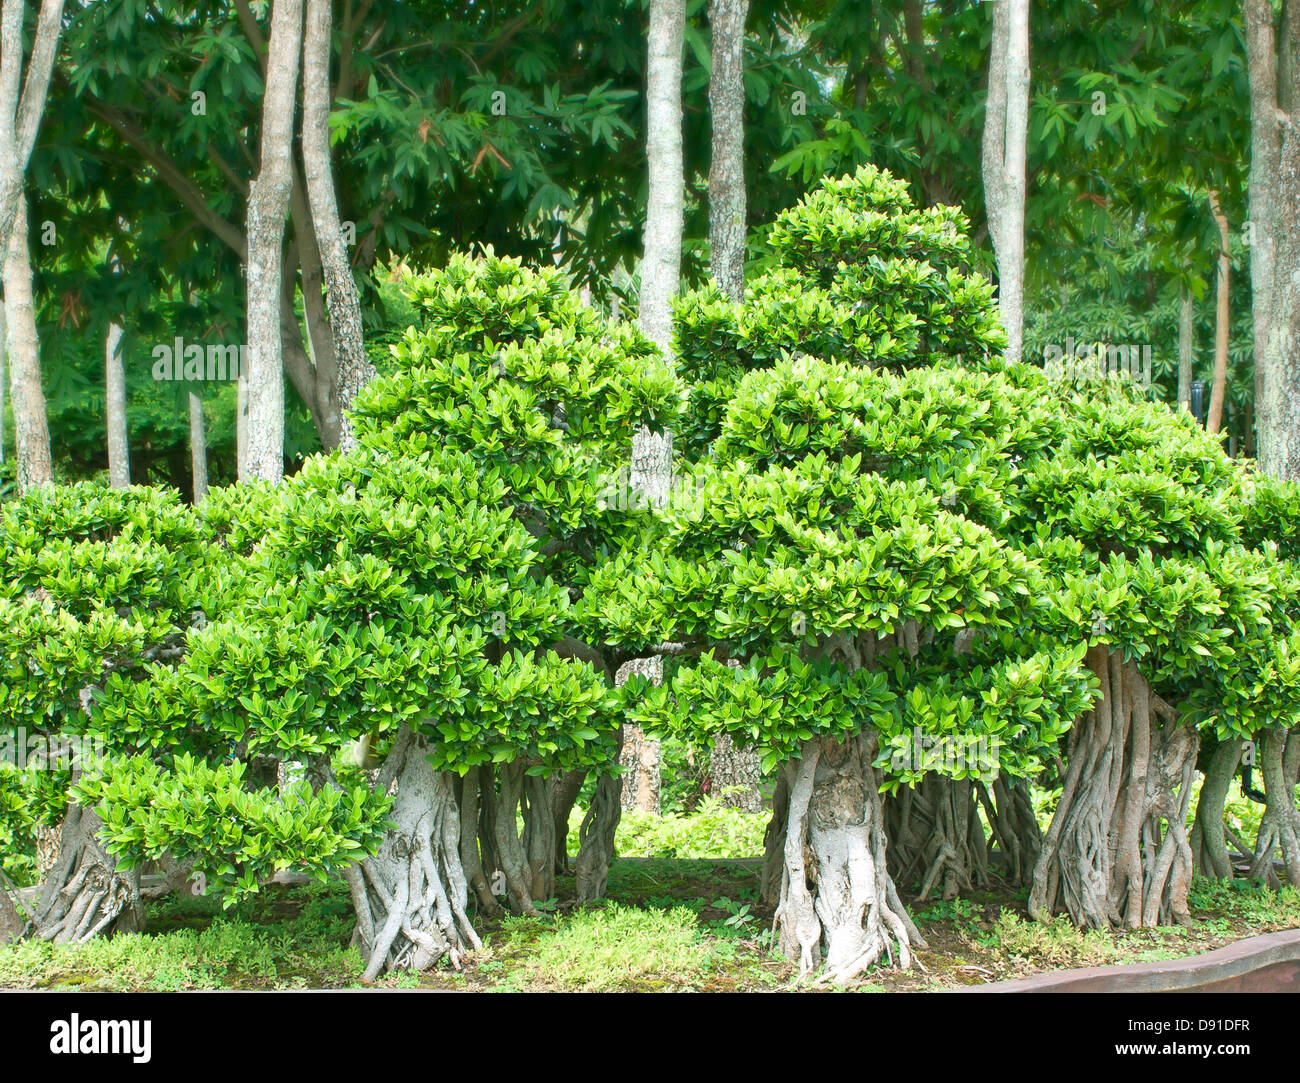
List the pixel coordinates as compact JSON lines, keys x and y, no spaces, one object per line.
{"x":86,"y":895}
{"x":1117,"y":852}
{"x":839,"y":909}
{"x":410,"y":898}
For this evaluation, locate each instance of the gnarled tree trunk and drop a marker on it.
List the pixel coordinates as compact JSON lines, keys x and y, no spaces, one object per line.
{"x":85,"y":894}
{"x":410,"y":897}
{"x":1279,"y":753}
{"x":1117,"y":852}
{"x":936,"y":839}
{"x":837,"y":902}
{"x":1209,"y":844}
{"x":596,"y":839}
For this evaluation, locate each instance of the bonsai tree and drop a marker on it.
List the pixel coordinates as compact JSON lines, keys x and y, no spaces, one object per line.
{"x":513,"y":370}
{"x":1188,"y":629}
{"x":99,"y":590}
{"x":816,"y":552}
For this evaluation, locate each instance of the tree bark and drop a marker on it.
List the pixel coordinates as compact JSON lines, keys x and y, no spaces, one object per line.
{"x":1279,"y":829}
{"x":727,"y":165}
{"x":119,"y":454}
{"x":1186,"y":346}
{"x":268,"y":204}
{"x":341,"y":297}
{"x":734,"y":775}
{"x":842,"y":909}
{"x":1219,"y":383}
{"x":198,"y":448}
{"x":1117,"y":852}
{"x":31,"y":427}
{"x":1209,"y":845}
{"x":1275,"y":251}
{"x":1006,"y":120}
{"x":661,"y":265}
{"x":20,"y":115}
{"x":85,"y":894}
{"x":410,"y":897}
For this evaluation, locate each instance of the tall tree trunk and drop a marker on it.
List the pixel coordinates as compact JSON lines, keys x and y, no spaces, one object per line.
{"x":268,"y":204}
{"x":119,"y":454}
{"x":198,"y":448}
{"x":341,"y":297}
{"x":1219,"y":384}
{"x":31,"y":428}
{"x":661,"y":265}
{"x":1186,"y":346}
{"x":1274,"y":204}
{"x":241,"y":425}
{"x":1006,"y":120}
{"x":4,"y":377}
{"x":20,"y":115}
{"x":727,"y":166}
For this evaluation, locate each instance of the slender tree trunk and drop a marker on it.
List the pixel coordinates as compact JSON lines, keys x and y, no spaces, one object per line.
{"x":20,"y":115}
{"x":268,"y":204}
{"x":661,"y":265}
{"x":727,"y":166}
{"x":1186,"y":346}
{"x":241,"y":425}
{"x":198,"y":448}
{"x":4,"y":377}
{"x":1279,"y":830}
{"x":31,"y":428}
{"x":1219,"y":385}
{"x":341,"y":298}
{"x":119,"y":455}
{"x":1006,"y":122}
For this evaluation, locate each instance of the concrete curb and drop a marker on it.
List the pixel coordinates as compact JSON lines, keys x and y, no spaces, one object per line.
{"x":1261,"y":964}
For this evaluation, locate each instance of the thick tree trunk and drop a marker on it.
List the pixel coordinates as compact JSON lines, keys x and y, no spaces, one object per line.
{"x":1209,"y":844}
{"x":661,"y":265}
{"x":1275,"y":250}
{"x":734,"y":775}
{"x":31,"y":427}
{"x":119,"y":455}
{"x":341,"y":298}
{"x":1005,"y":131}
{"x":85,"y":895}
{"x":198,"y":448}
{"x":1279,"y":753}
{"x":1222,"y":322}
{"x":1117,"y":852}
{"x":727,"y":165}
{"x":241,"y":426}
{"x":410,"y":898}
{"x":838,"y":904}
{"x":268,"y":203}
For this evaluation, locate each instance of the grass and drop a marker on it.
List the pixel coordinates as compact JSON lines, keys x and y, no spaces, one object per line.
{"x":671,"y":924}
